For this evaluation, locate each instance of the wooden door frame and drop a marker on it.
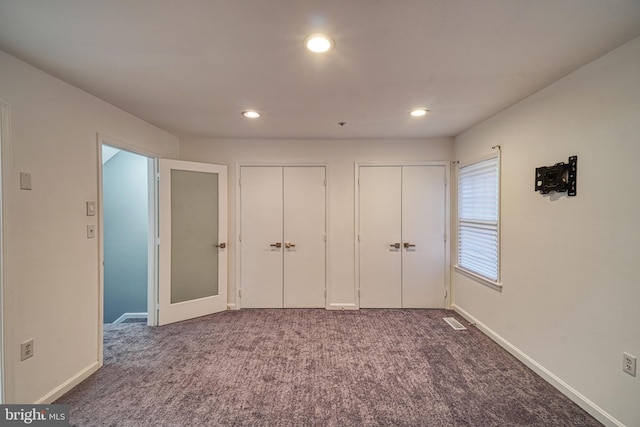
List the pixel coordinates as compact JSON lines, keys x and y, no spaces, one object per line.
{"x":237,"y":305}
{"x":447,"y":225}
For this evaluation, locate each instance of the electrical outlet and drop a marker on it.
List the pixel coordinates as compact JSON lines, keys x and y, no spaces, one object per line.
{"x":26,"y":349}
{"x":629,"y":364}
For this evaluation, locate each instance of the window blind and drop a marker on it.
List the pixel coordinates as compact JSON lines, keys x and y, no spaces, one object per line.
{"x":478,"y":216}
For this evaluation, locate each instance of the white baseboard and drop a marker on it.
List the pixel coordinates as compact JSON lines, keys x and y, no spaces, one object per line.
{"x":231,"y":306}
{"x":338,"y":306}
{"x":126,"y":316}
{"x":68,"y":385}
{"x":586,"y":404}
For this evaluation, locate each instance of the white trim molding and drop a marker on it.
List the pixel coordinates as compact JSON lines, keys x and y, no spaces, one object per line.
{"x":127,"y":316}
{"x":65,"y":387}
{"x":7,"y":347}
{"x":564,"y":388}
{"x":342,"y":306}
{"x":493,"y":285}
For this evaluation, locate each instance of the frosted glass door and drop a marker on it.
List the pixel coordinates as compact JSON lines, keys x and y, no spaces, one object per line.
{"x":192,"y":229}
{"x":194,"y":235}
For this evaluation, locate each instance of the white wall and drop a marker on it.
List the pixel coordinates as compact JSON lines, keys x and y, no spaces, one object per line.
{"x":340,"y":156}
{"x":571,"y":294}
{"x":51,"y":283}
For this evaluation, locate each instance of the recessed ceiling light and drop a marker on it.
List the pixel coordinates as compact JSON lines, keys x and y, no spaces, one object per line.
{"x":250,"y":114}
{"x":419,"y":112}
{"x":318,"y":43}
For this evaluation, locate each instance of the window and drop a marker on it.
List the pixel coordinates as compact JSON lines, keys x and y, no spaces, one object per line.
{"x":478,"y":219}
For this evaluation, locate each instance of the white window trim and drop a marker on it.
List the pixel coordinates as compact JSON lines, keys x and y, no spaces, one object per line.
{"x":483,"y":280}
{"x":497,"y":284}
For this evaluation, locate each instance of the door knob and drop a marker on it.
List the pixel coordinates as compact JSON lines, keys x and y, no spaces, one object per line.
{"x":395,"y":245}
{"x":408,"y":245}
{"x":221,"y":245}
{"x":276,"y":245}
{"x":289,"y":245}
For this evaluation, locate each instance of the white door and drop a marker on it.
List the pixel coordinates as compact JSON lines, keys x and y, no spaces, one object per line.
{"x":282,"y":232}
{"x":192,"y":271}
{"x":423,"y":230}
{"x":261,"y":237}
{"x":401,"y":236}
{"x":304,"y":237}
{"x":380,"y":237}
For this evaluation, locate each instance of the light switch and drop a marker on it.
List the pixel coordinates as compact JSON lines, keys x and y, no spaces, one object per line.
{"x":91,"y":208}
{"x":25,"y":181}
{"x":91,"y":231}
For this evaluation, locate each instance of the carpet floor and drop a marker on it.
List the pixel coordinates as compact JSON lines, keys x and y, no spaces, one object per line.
{"x":299,"y":367}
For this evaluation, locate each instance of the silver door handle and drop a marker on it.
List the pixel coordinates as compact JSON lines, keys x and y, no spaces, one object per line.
{"x":221,"y":245}
{"x":395,"y":245}
{"x":408,"y":245}
{"x":276,"y":245}
{"x":289,"y":245}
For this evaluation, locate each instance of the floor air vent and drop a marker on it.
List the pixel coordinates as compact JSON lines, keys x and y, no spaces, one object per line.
{"x":454,"y":323}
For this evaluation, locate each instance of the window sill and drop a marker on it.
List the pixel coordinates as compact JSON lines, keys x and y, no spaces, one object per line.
{"x":497,"y":286}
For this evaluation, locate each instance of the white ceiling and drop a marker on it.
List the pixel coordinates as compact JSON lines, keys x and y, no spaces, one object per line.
{"x":192,"y":66}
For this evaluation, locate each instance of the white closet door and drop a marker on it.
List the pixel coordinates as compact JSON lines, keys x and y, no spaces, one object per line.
{"x":304,"y":237}
{"x":423,"y":225}
{"x":403,"y":205}
{"x":261,"y":237}
{"x":380,"y":230}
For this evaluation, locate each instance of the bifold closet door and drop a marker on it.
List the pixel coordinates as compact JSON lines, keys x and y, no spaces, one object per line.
{"x":261,"y":209}
{"x":380,"y":236}
{"x":423,"y":230}
{"x":304,"y":237}
{"x":401,"y":236}
{"x":282,"y":231}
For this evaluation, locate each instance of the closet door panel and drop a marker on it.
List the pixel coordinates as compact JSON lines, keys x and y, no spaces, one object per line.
{"x":261,"y":206}
{"x":380,"y":229}
{"x":423,"y":229}
{"x":304,"y":237}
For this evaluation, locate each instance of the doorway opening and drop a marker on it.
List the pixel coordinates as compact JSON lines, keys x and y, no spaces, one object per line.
{"x":126,"y":232}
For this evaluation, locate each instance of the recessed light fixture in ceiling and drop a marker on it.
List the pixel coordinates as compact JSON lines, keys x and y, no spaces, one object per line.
{"x":250,"y":114}
{"x":318,"y":43}
{"x":419,"y":112}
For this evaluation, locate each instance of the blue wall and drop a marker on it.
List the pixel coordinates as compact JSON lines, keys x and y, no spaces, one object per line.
{"x":125,"y":198}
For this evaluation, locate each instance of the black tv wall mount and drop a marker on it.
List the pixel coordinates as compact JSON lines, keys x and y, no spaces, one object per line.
{"x":560,"y":177}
